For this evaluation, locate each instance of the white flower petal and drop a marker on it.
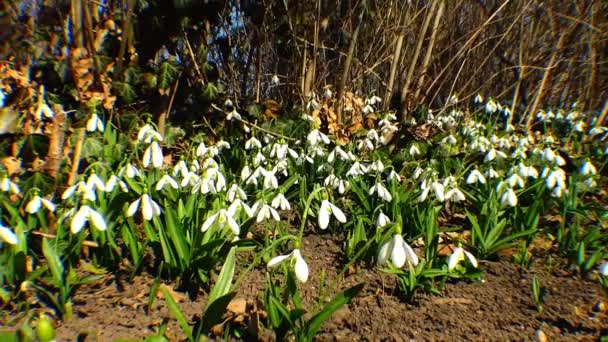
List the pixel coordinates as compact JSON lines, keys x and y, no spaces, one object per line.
{"x":338,"y":213}
{"x":79,"y":219}
{"x":324,"y":212}
{"x":7,"y":235}
{"x":146,"y":207}
{"x":398,"y":256}
{"x":133,"y":208}
{"x":97,"y":220}
{"x":33,"y":205}
{"x":278,"y":260}
{"x":301,"y":268}
{"x":455,"y":258}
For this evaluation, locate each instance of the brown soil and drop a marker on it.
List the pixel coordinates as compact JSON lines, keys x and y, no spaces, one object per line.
{"x":498,"y":308}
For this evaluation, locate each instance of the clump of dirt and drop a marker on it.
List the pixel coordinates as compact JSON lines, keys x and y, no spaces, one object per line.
{"x":500,"y":307}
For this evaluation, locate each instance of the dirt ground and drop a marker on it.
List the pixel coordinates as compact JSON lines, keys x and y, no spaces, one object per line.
{"x":500,"y":307}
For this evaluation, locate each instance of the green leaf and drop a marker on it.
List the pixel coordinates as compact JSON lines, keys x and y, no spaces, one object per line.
{"x":224,"y":280}
{"x":179,"y":316}
{"x":54,"y":263}
{"x":339,"y":300}
{"x":167,"y":74}
{"x":176,"y":234}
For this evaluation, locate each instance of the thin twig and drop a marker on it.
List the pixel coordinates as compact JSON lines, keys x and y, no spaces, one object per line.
{"x":86,"y":243}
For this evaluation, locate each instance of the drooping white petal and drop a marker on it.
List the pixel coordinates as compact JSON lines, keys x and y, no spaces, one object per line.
{"x":324,"y":212}
{"x":208,"y":222}
{"x":33,"y":205}
{"x":338,"y":213}
{"x":147,"y":156}
{"x":455,"y":258}
{"x":50,"y":206}
{"x":398,"y":256}
{"x":410,"y":255}
{"x":7,"y":235}
{"x":146,"y":207}
{"x":97,"y":220}
{"x":133,"y":208}
{"x":383,"y":253}
{"x":471,"y":258}
{"x":301,"y":268}
{"x":79,"y":219}
{"x":157,"y":155}
{"x":278,"y":260}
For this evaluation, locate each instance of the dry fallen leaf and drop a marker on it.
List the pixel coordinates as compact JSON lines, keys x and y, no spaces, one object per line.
{"x":176,"y":296}
{"x":237,"y":306}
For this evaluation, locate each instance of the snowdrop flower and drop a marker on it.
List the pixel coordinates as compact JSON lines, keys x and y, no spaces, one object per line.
{"x":372,"y":135}
{"x":83,"y":189}
{"x":7,"y":235}
{"x":365,"y":144}
{"x":315,"y":137}
{"x":130,"y":171}
{"x":259,"y":159}
{"x":393,"y":176}
{"x":181,"y":168}
{"x":491,"y":173}
{"x":265,"y":212}
{"x":299,"y":264}
{"x":398,"y":251}
{"x":235,"y":192}
{"x":376,"y":166}
{"x":588,"y":169}
{"x":87,"y":214}
{"x":556,"y":177}
{"x":478,"y":98}
{"x":509,"y":197}
{"x":373,"y":100}
{"x":166,"y":179}
{"x":252,"y":143}
{"x":382,"y":220}
{"x":527,"y":171}
{"x":6,"y":185}
{"x":313,"y":105}
{"x":95,"y":183}
{"x":449,"y":140}
{"x":382,"y":192}
{"x":94,"y":123}
{"x":459,"y":255}
{"x":493,"y":154}
{"x":222,"y":218}
{"x":368,"y":109}
{"x":357,"y":169}
{"x":147,"y":133}
{"x":338,"y":151}
{"x":280,"y":201}
{"x":455,"y":195}
{"x":239,"y":204}
{"x":153,"y":154}
{"x":111,"y":183}
{"x":515,"y":179}
{"x":604,"y":269}
{"x":36,"y":202}
{"x":233,"y":115}
{"x":326,"y":210}
{"x":149,"y":208}
{"x":475,"y":176}
{"x":414,"y":150}
{"x":548,"y":154}
{"x":491,"y":106}
{"x":327,"y":94}
{"x":270,"y":179}
{"x":274,"y":80}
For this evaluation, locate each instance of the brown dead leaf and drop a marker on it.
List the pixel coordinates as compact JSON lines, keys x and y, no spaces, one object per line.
{"x":237,"y":306}
{"x":176,"y":296}
{"x":12,"y":165}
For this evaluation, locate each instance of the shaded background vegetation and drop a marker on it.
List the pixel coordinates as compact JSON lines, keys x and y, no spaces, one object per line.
{"x":172,"y":59}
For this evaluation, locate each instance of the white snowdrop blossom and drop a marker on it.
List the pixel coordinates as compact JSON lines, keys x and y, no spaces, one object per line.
{"x":147,"y":133}
{"x":111,"y":183}
{"x":527,"y":171}
{"x":398,"y":252}
{"x":7,"y":235}
{"x":6,"y":185}
{"x":588,"y":169}
{"x":87,"y":214}
{"x":37,"y":202}
{"x":393,"y":176}
{"x":478,"y":98}
{"x":315,"y":137}
{"x":265,"y":212}
{"x":274,"y":80}
{"x":235,"y":192}
{"x":382,"y":192}
{"x":154,"y":155}
{"x":223,"y":218}
{"x":455,"y":195}
{"x":233,"y":115}
{"x":357,"y":169}
{"x":94,"y":124}
{"x":166,"y":179}
{"x":414,"y":150}
{"x":253,"y":142}
{"x":491,"y":106}
{"x":279,"y":201}
{"x":270,"y":179}
{"x":376,"y":166}
{"x":438,"y":190}
{"x":604,"y":269}
{"x":491,"y":173}
{"x":82,"y":189}
{"x":382,"y":220}
{"x":515,"y":179}
{"x":326,"y":210}
{"x":476,"y":177}
{"x":556,"y":177}
{"x":494,"y":154}
{"x":130,"y":171}
{"x":181,"y":168}
{"x":95,"y":183}
{"x":298,"y":262}
{"x":459,"y":255}
{"x":149,"y":208}
{"x":509,"y":198}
